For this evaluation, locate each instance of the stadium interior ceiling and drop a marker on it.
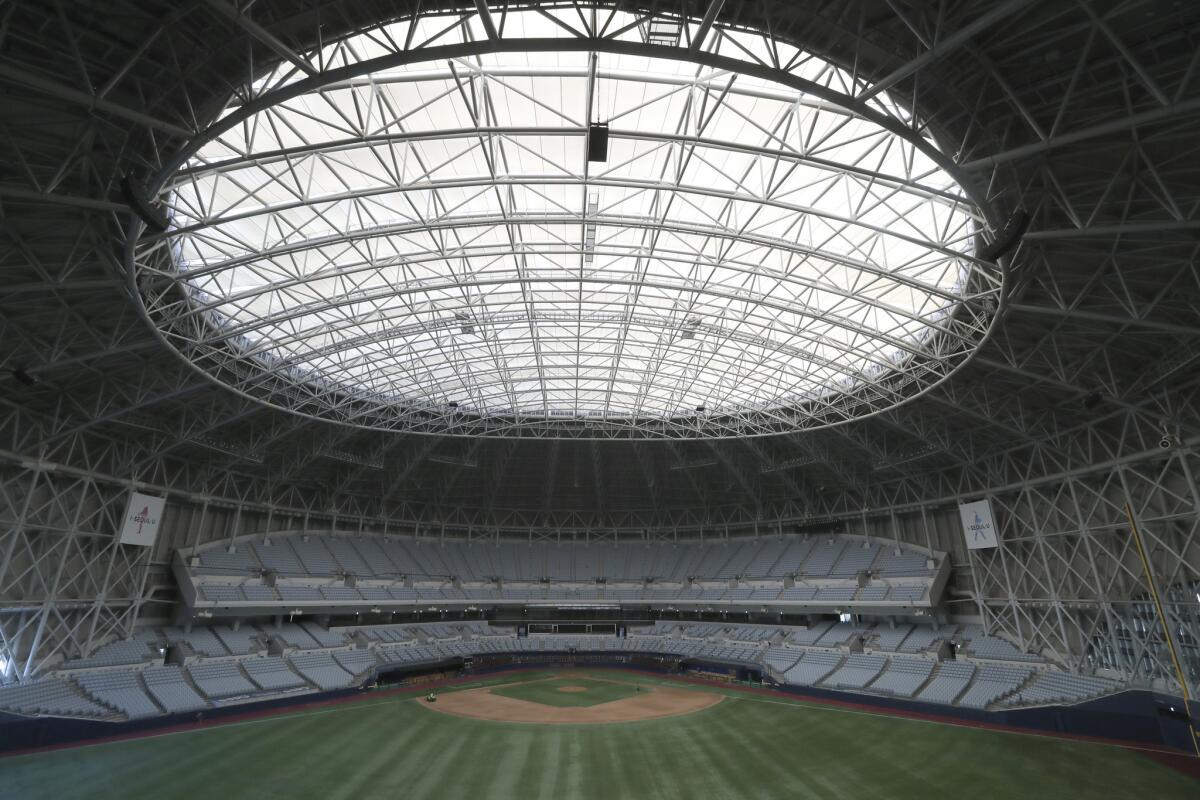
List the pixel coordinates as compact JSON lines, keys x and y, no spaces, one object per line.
{"x":1039,"y":346}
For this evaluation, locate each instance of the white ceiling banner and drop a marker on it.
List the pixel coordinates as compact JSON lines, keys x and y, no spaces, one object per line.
{"x":142,"y":518}
{"x":979,"y":526}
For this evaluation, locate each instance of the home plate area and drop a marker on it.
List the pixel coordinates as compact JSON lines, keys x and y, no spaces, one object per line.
{"x":573,"y":700}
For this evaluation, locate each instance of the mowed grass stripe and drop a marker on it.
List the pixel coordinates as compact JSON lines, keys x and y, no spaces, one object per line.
{"x":377,"y":771}
{"x":545,"y":754}
{"x":753,"y":747}
{"x":709,"y":761}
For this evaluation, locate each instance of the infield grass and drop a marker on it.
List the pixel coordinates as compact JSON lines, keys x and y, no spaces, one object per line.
{"x":568,"y":692}
{"x":750,"y":746}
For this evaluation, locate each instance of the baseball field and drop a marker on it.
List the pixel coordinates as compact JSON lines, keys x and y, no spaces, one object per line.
{"x":576,"y":734}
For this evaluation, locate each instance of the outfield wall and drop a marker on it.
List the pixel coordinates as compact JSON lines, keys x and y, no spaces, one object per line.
{"x":1134,"y":717}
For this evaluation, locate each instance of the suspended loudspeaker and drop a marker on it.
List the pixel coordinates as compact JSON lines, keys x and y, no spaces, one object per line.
{"x":23,"y":376}
{"x":135,"y":195}
{"x":597,"y":142}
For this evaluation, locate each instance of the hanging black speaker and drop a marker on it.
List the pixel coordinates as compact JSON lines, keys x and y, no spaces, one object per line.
{"x":24,"y":376}
{"x":597,"y":142}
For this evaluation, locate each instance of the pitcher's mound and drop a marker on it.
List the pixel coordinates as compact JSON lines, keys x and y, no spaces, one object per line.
{"x":572,"y":688}
{"x":651,"y":703}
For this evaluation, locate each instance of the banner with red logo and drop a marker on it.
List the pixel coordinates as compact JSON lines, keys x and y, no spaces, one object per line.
{"x":142,"y":518}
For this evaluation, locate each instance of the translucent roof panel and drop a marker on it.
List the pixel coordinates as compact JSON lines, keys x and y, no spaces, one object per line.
{"x":432,"y":235}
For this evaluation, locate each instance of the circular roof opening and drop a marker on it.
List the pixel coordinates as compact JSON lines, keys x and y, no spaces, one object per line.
{"x":417,"y":242}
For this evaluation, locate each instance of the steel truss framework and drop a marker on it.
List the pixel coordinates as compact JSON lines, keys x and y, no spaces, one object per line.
{"x":1083,"y":113}
{"x":753,"y":257}
{"x":1066,"y":580}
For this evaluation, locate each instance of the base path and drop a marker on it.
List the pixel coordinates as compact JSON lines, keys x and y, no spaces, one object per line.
{"x":651,"y":703}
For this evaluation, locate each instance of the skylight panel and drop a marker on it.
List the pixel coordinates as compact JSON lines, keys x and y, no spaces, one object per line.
{"x":435,"y":230}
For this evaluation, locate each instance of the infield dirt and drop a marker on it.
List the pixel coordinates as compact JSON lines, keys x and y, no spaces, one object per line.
{"x":650,"y":703}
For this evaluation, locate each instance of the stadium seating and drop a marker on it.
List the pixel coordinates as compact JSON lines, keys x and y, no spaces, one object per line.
{"x":921,"y":637}
{"x":855,"y":558}
{"x":220,"y":592}
{"x":983,"y":646}
{"x":325,"y":659}
{"x":781,"y":659}
{"x":168,"y":686}
{"x":120,"y":690}
{"x":356,"y":662}
{"x":1061,"y":687}
{"x":323,"y":637}
{"x":908,"y":594}
{"x":859,"y":670}
{"x":903,"y":676}
{"x":201,"y":640}
{"x":890,"y":638}
{"x":221,"y":679}
{"x":294,"y":635}
{"x":876,"y":593}
{"x":299,"y":561}
{"x":813,"y":668}
{"x":992,"y":683}
{"x":221,"y":561}
{"x":50,"y":696}
{"x":809,"y":635}
{"x":321,"y":670}
{"x":239,"y":642}
{"x":125,"y":651}
{"x":277,"y":556}
{"x":840,"y":633}
{"x":948,"y":683}
{"x":897,"y":562}
{"x":298,"y":593}
{"x":272,"y":673}
{"x":254,"y":593}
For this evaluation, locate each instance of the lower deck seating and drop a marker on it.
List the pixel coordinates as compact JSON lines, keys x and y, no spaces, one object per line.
{"x":992,"y":683}
{"x":948,"y":683}
{"x":822,"y":661}
{"x":903,"y":676}
{"x":859,"y":670}
{"x":356,"y":662}
{"x":781,"y":658}
{"x":321,"y":670}
{"x":168,"y":686}
{"x":813,"y":668}
{"x":272,"y":673}
{"x":221,"y":679}
{"x":121,"y":691}
{"x":52,"y":696}
{"x":1061,"y":687}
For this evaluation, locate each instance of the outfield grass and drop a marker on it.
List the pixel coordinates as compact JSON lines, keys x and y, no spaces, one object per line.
{"x":749,"y":746}
{"x":550,"y":692}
